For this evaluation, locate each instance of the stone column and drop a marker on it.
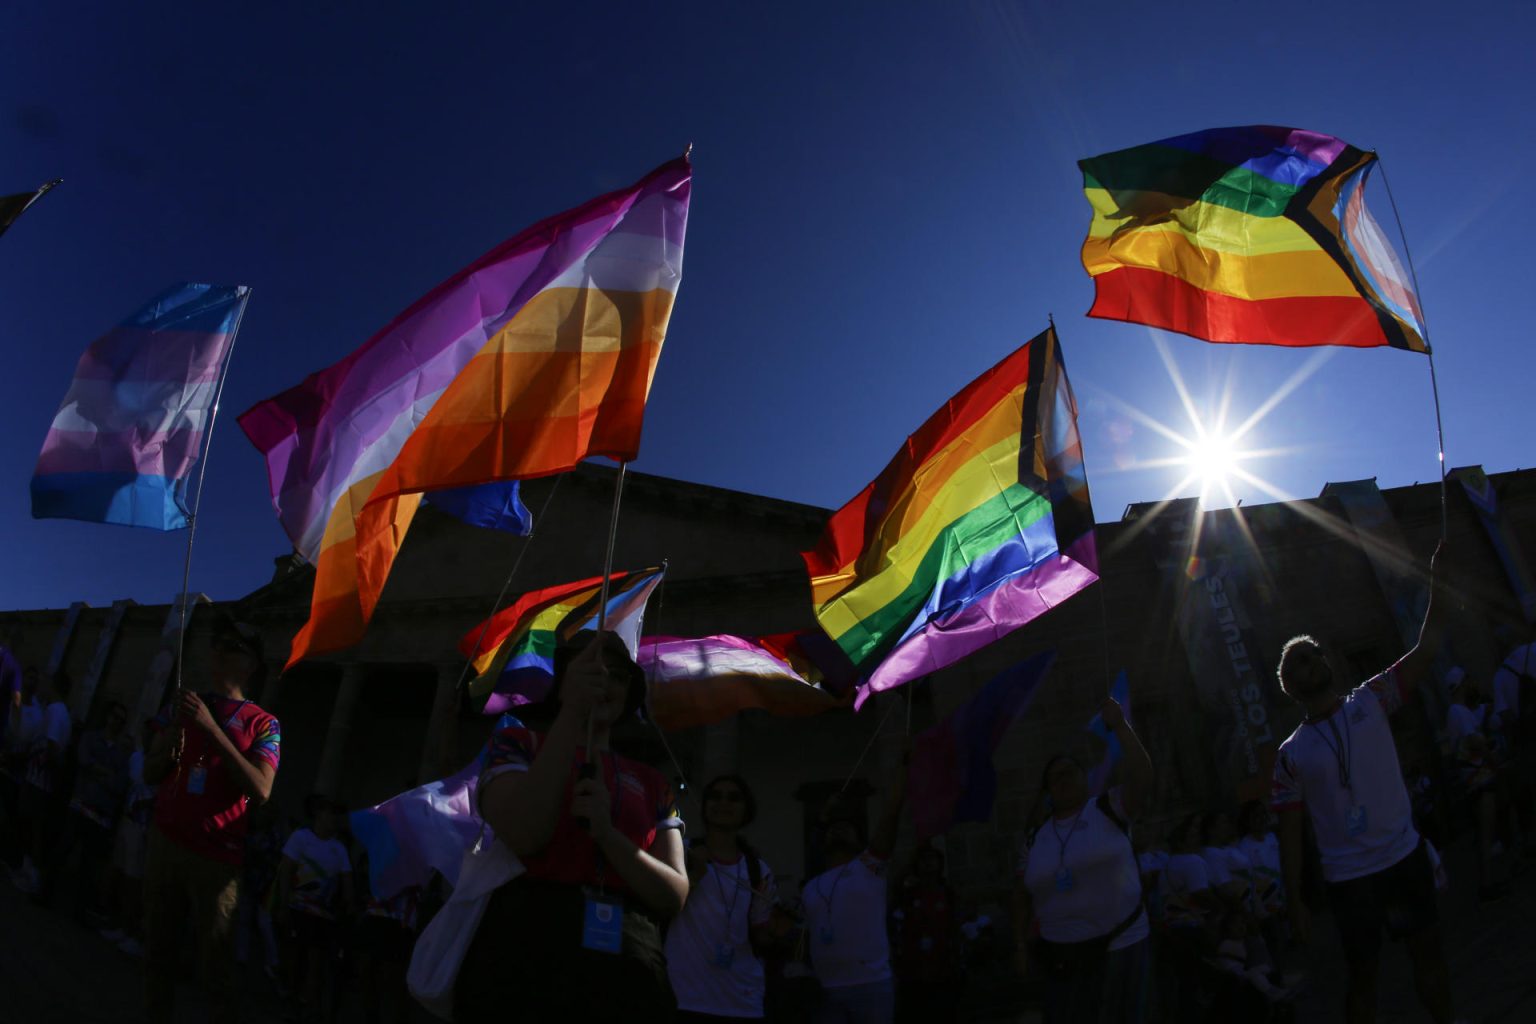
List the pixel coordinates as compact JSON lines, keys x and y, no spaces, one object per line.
{"x":442,"y":727}
{"x":333,"y":757}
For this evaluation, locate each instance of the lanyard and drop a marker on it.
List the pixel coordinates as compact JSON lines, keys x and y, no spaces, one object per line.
{"x":736,"y":887}
{"x":1341,"y":746}
{"x":827,"y":897}
{"x":1061,"y":844}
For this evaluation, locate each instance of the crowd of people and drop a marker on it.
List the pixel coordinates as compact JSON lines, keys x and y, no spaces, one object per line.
{"x":619,"y":911}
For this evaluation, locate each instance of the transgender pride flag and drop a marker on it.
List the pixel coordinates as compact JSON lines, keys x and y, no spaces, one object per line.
{"x":124,"y":441}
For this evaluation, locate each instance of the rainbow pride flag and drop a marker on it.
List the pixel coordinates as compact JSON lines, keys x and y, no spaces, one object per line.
{"x":697,"y":681}
{"x":513,"y":652}
{"x":532,"y":358}
{"x":981,"y":523}
{"x":130,"y":429}
{"x":1258,"y":235}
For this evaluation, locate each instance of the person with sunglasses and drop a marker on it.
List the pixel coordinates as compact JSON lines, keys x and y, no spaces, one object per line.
{"x":712,"y":946}
{"x":213,"y":755}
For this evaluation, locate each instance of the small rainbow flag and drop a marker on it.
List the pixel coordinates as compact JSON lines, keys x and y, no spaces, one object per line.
{"x":981,"y":523}
{"x":534,"y":357}
{"x":1258,"y":235}
{"x":514,"y":651}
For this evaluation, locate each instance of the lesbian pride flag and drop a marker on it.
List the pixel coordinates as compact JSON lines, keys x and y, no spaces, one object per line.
{"x":123,"y":444}
{"x":532,"y":358}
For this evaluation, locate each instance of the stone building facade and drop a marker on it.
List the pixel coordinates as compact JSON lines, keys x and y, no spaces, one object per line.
{"x":1192,"y":604}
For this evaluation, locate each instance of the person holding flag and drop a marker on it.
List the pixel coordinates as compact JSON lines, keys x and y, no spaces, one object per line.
{"x":1340,"y":770}
{"x":577,"y":936}
{"x":1078,"y":877}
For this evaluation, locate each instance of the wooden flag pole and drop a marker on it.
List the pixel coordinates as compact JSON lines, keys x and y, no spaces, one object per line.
{"x":1429,"y":349}
{"x":202,"y":475}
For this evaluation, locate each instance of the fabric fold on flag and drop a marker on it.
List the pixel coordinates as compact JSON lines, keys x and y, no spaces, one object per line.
{"x":950,"y":775}
{"x":123,"y":443}
{"x":981,"y":523}
{"x":1257,"y":235}
{"x":699,"y":681}
{"x":534,"y":357}
{"x":426,"y":829}
{"x":513,"y":652}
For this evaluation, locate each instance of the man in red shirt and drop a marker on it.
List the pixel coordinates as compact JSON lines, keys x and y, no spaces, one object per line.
{"x":213,"y":753}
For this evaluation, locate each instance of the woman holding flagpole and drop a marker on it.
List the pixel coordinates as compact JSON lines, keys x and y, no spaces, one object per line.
{"x":577,"y":936}
{"x":1077,"y":876}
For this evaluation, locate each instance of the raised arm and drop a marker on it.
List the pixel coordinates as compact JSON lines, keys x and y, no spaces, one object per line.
{"x":1136,"y":771}
{"x":523,"y":807}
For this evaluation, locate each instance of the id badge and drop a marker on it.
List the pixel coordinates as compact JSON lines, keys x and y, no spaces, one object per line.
{"x":1355,"y":820}
{"x":724,"y":956}
{"x":826,"y":935}
{"x":1063,"y":879}
{"x":197,"y":780}
{"x":603,"y":928}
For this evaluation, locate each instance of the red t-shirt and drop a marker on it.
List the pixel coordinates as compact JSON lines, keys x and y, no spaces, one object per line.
{"x":212,"y":823}
{"x":643,"y":807}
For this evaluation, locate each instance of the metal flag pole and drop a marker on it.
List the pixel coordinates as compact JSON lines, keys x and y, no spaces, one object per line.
{"x":602,"y":599}
{"x":42,"y":190}
{"x":1429,"y":349}
{"x":202,"y":474}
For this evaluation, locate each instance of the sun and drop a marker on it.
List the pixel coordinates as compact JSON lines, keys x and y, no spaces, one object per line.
{"x":1212,"y":458}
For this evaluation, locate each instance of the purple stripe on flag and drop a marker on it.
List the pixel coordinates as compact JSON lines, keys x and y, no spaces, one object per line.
{"x":993,"y":616}
{"x":330,"y":419}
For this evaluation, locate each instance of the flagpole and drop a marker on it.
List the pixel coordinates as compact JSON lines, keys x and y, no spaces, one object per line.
{"x":1109,"y":682}
{"x":613,"y":533}
{"x":42,"y":190}
{"x":1429,"y":350}
{"x":202,"y":474}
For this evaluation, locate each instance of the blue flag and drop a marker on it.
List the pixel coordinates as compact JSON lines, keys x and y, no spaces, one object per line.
{"x":495,"y":506}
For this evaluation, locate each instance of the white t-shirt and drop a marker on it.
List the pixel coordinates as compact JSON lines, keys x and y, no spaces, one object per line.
{"x":709,"y":949}
{"x":1462,"y":721}
{"x":845,"y":920}
{"x":1218,"y":866}
{"x":321,"y":863}
{"x":1367,"y":826}
{"x":1264,"y":860}
{"x":1185,"y":875}
{"x":1082,"y":877}
{"x":1506,"y":681}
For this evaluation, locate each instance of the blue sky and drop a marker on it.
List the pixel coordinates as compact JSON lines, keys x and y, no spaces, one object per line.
{"x":886,"y":202}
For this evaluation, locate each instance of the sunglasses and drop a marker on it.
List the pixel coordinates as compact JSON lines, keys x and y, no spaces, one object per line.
{"x":730,"y":796}
{"x":229,"y":646}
